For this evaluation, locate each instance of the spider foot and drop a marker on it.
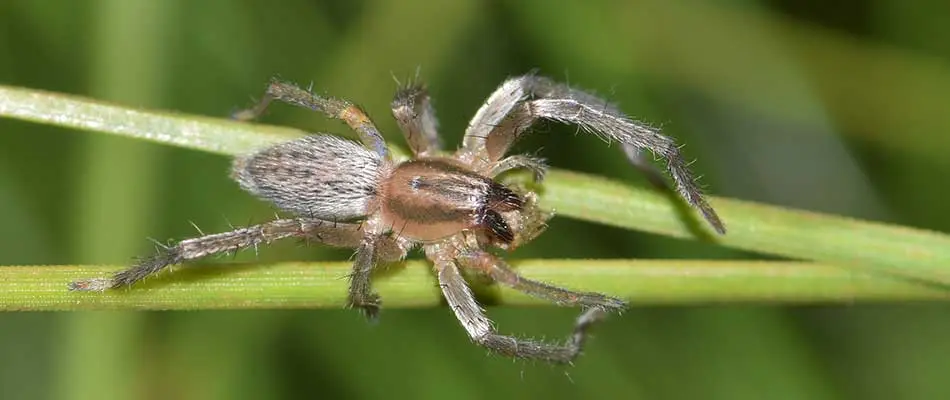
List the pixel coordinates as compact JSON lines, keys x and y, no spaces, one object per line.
{"x":606,"y":303}
{"x":91,"y":285}
{"x":369,"y":305}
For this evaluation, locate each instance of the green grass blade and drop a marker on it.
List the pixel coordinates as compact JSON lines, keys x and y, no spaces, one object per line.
{"x":309,"y":285}
{"x":755,"y":227}
{"x":214,"y":135}
{"x":907,"y":252}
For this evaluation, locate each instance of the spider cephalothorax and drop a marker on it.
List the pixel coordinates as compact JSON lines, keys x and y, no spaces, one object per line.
{"x":348,"y":194}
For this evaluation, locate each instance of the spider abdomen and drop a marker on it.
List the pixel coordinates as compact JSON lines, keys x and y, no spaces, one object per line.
{"x":320,"y":176}
{"x":430,"y":198}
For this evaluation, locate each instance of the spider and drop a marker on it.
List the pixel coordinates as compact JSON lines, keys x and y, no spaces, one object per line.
{"x":349,"y":194}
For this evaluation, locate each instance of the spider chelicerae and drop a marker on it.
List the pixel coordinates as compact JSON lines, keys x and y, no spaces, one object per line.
{"x":349,"y":194}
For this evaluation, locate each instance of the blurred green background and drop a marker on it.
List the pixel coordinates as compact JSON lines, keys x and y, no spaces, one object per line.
{"x":838,"y":107}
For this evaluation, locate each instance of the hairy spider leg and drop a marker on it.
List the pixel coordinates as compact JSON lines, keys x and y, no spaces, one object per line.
{"x":351,"y":114}
{"x":361,"y":294}
{"x":327,"y":232}
{"x":536,"y":165}
{"x":521,"y":101}
{"x":479,"y":328}
{"x":413,"y":111}
{"x":499,"y":271}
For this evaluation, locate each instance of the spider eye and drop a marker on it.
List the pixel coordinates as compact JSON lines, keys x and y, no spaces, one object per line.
{"x":496,"y":226}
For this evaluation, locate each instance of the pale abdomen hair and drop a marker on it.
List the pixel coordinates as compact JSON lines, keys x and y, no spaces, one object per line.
{"x":321,"y":176}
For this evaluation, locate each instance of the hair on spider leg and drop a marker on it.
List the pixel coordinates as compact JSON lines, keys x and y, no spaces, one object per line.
{"x":194,"y":225}
{"x":417,"y":77}
{"x":227,"y":221}
{"x":158,"y":244}
{"x":257,"y":254}
{"x":395,"y":79}
{"x":454,"y":205}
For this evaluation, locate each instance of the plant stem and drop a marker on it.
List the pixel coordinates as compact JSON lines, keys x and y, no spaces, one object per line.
{"x":890,"y":249}
{"x":214,"y":135}
{"x":322,"y":284}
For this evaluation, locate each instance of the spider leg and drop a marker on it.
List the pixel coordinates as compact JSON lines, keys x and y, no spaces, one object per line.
{"x":481,"y":331}
{"x":519,"y":102}
{"x":327,"y":232}
{"x":624,"y":130}
{"x":416,"y":117}
{"x":637,"y":158}
{"x":498,"y":117}
{"x":500,"y":272}
{"x":371,"y":250}
{"x":340,"y":109}
{"x":536,"y":165}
